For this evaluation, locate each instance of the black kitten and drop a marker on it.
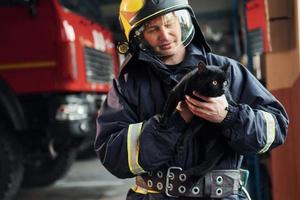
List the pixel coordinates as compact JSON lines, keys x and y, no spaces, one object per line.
{"x":210,"y":81}
{"x":207,"y":80}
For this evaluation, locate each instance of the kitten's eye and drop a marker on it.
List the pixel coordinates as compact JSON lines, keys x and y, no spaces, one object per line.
{"x":225,"y":83}
{"x":215,"y":82}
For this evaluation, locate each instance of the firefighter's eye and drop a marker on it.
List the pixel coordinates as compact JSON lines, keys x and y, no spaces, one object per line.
{"x":150,"y":30}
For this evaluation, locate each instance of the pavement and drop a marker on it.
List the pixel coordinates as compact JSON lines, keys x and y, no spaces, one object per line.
{"x":87,"y":180}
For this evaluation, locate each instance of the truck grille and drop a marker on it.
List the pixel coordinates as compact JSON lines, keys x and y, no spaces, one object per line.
{"x":99,"y":65}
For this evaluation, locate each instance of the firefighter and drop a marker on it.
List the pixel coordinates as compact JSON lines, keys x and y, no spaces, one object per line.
{"x":164,"y":43}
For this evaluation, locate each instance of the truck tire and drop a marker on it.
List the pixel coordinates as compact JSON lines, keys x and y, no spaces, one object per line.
{"x":86,"y":150}
{"x":86,"y":153}
{"x":11,"y":166}
{"x":45,"y":171}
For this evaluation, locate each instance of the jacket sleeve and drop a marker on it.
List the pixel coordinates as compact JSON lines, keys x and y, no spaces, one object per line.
{"x":127,"y":146}
{"x":258,"y":122}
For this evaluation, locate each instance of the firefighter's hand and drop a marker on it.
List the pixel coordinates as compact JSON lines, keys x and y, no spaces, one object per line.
{"x":214,"y":109}
{"x":184,"y":111}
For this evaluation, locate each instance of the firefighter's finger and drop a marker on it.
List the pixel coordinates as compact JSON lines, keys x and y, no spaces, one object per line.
{"x":194,"y":108}
{"x":204,"y":98}
{"x":197,"y":103}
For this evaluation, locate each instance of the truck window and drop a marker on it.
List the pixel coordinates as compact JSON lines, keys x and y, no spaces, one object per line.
{"x":89,"y":9}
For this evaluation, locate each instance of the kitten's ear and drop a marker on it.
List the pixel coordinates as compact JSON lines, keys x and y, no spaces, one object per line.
{"x":201,"y":66}
{"x":226,"y":67}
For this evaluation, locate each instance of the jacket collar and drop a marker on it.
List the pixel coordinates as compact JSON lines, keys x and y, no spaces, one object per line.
{"x":191,"y":51}
{"x":193,"y":55}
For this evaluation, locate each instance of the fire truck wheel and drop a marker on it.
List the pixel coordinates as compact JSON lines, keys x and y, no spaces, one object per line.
{"x":46,"y":170}
{"x":11,"y":165}
{"x":86,"y":153}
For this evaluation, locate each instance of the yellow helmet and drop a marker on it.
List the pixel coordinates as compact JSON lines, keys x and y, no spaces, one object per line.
{"x":134,"y":13}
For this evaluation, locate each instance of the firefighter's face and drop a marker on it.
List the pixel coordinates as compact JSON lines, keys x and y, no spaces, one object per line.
{"x":163,"y":34}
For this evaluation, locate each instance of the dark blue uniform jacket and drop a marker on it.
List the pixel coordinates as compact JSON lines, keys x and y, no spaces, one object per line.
{"x":130,"y":140}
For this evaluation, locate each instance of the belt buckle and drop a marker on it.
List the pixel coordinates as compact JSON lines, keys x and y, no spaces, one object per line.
{"x":170,"y":175}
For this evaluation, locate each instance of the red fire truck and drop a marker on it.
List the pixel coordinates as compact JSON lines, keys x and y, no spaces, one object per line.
{"x":56,"y":64}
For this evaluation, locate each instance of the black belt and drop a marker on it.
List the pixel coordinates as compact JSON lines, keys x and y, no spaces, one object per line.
{"x":175,"y":183}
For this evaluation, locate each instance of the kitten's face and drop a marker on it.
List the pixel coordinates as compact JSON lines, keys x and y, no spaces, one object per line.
{"x":211,"y":81}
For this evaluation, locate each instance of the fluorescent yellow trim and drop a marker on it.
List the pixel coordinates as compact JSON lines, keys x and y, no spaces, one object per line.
{"x":133,"y":134}
{"x":23,"y":65}
{"x":270,"y":131}
{"x":129,"y":148}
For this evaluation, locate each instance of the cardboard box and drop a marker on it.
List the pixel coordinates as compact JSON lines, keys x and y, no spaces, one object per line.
{"x":281,"y":35}
{"x":280,"y":70}
{"x":279,"y":8}
{"x":279,"y":15}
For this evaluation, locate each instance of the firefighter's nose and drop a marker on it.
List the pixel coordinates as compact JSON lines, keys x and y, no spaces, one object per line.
{"x":164,"y":34}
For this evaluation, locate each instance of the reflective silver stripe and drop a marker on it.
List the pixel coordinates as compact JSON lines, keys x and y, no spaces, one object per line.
{"x":134,"y":131}
{"x":270,"y":131}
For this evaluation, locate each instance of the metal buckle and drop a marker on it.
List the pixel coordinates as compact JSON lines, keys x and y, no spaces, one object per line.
{"x":168,"y":176}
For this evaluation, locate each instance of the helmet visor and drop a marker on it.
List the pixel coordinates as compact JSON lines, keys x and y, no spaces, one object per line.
{"x":166,"y":34}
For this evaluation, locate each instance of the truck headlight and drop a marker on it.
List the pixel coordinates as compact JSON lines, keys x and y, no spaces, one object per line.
{"x":71,"y":112}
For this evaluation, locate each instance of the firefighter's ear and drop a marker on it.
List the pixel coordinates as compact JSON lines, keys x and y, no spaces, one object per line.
{"x":226,"y":67}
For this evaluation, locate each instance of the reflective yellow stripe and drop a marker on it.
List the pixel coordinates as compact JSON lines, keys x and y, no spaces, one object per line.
{"x":141,"y":190}
{"x":270,"y":131}
{"x":134,"y":131}
{"x":22,"y":65}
